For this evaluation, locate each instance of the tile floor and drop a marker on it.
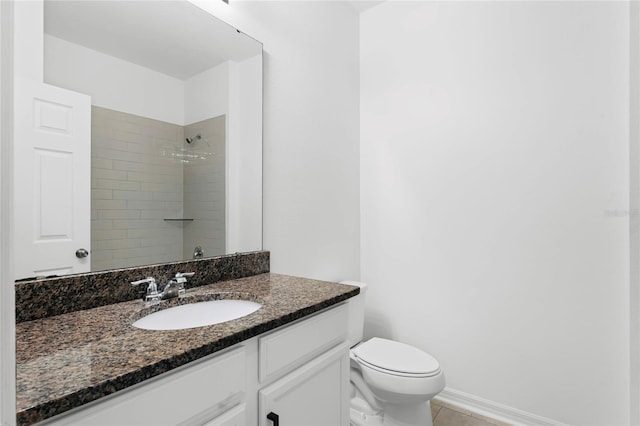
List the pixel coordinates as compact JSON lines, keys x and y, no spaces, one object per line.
{"x":447,"y":415}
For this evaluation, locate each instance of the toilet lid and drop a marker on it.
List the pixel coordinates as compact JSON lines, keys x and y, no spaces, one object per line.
{"x":396,"y":357}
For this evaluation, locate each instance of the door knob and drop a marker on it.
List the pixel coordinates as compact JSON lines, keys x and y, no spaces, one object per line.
{"x":81,"y":253}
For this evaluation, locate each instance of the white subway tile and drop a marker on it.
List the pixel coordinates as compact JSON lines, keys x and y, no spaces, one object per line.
{"x":115,"y":244}
{"x":108,"y":174}
{"x":101,"y":225}
{"x":101,"y":255}
{"x":109,"y":204}
{"x":167,"y":196}
{"x":132,"y":195}
{"x":135,"y":163}
{"x":125,"y":136}
{"x":117,"y":184}
{"x":101,"y":194}
{"x":112,"y":234}
{"x":145,"y":205}
{"x":147,"y":252}
{"x":149,"y":177}
{"x":114,"y":154}
{"x":101,"y":163}
{"x":135,"y":224}
{"x":156,"y":214}
{"x":118,"y":214}
{"x":158,"y":187}
{"x":164,"y":240}
{"x":106,"y":142}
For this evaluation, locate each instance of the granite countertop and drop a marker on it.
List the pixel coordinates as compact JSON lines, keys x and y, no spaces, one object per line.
{"x":68,"y":360}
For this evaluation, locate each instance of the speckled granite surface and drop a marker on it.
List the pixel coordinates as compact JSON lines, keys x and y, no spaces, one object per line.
{"x":71,"y":359}
{"x":54,"y":296}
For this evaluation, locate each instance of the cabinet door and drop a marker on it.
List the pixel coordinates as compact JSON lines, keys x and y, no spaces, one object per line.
{"x":314,"y":394}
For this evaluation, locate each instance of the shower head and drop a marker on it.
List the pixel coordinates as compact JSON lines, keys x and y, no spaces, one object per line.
{"x":193,"y":139}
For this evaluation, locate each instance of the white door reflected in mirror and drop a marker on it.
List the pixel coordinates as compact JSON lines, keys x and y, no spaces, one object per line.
{"x":52,"y":175}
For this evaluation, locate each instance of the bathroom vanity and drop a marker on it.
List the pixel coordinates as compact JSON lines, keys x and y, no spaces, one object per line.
{"x":286,"y":363}
{"x":291,"y":373}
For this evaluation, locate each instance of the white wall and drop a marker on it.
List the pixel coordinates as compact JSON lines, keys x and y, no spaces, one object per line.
{"x":206,"y":95}
{"x":311,"y":136}
{"x":494,"y":176}
{"x":113,"y":83}
{"x":120,"y":85}
{"x":28,"y":17}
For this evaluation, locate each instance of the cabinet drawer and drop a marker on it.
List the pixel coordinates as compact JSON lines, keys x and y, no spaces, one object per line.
{"x":284,"y":350}
{"x":190,"y":395}
{"x":235,"y":417}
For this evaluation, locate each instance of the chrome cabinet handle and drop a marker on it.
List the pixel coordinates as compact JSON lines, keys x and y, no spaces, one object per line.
{"x":81,"y":253}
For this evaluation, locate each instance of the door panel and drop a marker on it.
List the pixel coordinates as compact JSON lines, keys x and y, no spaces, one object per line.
{"x":52,"y":170}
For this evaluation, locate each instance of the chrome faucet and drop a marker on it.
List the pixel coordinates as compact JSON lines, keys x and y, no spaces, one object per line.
{"x":173,"y":288}
{"x":151,"y":295}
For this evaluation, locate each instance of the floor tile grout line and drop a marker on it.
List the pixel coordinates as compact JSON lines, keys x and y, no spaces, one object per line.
{"x":443,"y":408}
{"x":439,"y":411}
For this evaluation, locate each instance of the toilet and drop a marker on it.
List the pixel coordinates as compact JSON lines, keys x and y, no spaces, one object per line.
{"x":391,"y":382}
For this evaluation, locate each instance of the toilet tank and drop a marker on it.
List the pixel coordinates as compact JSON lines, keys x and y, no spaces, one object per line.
{"x":356,"y":313}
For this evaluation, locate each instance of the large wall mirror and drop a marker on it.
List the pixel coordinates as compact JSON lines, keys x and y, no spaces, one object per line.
{"x":176,"y":127}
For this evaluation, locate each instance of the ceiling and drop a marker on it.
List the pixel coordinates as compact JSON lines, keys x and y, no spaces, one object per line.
{"x":175,"y":38}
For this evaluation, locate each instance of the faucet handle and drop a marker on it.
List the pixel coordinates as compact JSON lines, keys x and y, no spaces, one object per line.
{"x":181,"y":278}
{"x":149,"y":280}
{"x":151,"y":294}
{"x":184,"y":274}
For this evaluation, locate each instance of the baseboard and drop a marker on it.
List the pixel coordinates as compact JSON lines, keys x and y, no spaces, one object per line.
{"x":492,"y":410}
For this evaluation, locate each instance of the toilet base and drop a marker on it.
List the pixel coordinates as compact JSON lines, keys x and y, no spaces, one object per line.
{"x":408,"y":415}
{"x":359,"y":418}
{"x":390,"y":414}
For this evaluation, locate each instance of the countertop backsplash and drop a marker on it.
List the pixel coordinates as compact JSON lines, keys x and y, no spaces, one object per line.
{"x":37,"y":299}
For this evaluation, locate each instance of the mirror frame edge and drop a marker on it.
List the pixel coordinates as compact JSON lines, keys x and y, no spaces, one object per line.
{"x":7,"y":292}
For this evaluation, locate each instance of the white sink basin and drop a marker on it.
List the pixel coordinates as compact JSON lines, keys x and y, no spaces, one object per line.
{"x":197,"y":314}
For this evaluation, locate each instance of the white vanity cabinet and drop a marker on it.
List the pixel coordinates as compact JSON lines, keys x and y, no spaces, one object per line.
{"x":297,"y":374}
{"x":307,"y":366}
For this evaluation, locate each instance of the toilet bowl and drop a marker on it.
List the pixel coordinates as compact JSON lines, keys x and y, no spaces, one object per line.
{"x":391,"y":382}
